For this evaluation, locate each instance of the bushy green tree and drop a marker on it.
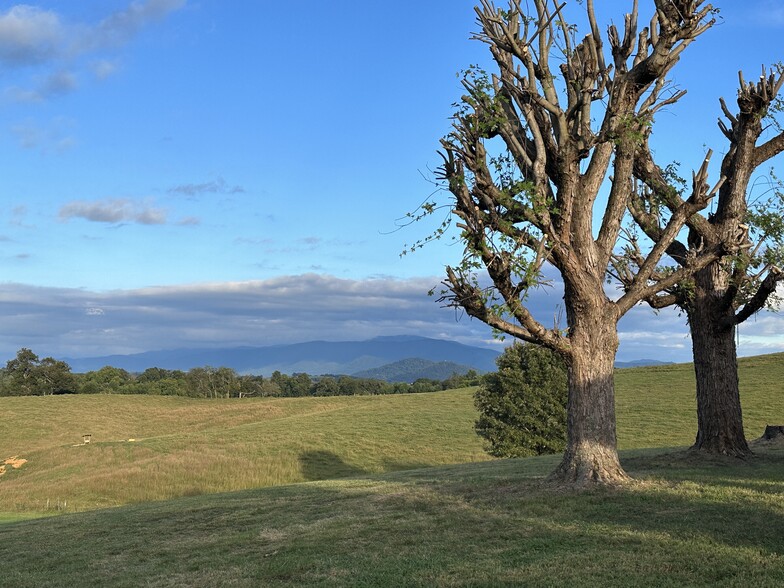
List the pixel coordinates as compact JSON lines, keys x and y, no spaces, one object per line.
{"x":522,"y":406}
{"x":27,"y":375}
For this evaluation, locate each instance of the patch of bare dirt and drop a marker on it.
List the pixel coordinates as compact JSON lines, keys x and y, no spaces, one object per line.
{"x":15,"y":462}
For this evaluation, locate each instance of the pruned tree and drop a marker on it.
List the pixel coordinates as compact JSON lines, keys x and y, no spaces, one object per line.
{"x":532,"y":147}
{"x":728,"y":291}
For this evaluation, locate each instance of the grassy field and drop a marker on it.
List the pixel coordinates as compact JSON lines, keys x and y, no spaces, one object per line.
{"x":358,"y":491}
{"x":484,"y":524}
{"x":185,"y":447}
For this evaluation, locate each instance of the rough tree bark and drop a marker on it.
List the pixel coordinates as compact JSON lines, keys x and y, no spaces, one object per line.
{"x":591,"y":455}
{"x":719,"y":414}
{"x":530,"y":199}
{"x":726,"y":292}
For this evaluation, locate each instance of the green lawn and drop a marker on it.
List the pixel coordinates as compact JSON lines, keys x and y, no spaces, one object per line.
{"x":379,"y":491}
{"x":485,"y":524}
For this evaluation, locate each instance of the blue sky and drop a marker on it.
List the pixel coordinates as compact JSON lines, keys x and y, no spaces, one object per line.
{"x":205,"y":172}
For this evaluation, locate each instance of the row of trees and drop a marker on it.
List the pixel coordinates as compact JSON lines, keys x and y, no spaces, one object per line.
{"x":27,"y":375}
{"x":548,"y":161}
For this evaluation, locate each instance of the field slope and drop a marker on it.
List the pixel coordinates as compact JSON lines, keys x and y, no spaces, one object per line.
{"x":359,"y":491}
{"x":154,"y":448}
{"x":484,"y":524}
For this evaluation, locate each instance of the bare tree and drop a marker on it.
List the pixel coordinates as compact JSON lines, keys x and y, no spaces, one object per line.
{"x":728,"y":291}
{"x":531,"y":149}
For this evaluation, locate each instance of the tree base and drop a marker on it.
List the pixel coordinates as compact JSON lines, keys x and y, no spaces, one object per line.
{"x":588,"y":467}
{"x":773,"y":432}
{"x":723,"y":446}
{"x":773,"y":435}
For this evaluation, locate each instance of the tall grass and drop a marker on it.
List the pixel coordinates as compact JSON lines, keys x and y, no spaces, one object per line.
{"x":153,"y":448}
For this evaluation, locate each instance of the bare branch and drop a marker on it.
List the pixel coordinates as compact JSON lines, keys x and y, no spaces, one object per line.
{"x":760,"y":298}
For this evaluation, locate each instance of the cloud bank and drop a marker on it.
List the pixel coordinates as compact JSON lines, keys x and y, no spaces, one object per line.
{"x":289,"y":309}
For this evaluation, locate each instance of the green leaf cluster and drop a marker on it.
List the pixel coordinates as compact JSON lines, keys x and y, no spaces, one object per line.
{"x":522,"y":406}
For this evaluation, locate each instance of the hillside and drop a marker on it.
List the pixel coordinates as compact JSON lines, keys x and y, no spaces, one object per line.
{"x":691,"y":524}
{"x":412,"y":369}
{"x":188,"y":446}
{"x":314,"y":358}
{"x":686,"y":521}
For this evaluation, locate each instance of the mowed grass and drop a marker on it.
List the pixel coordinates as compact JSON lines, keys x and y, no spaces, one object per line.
{"x":656,"y":406}
{"x":367,"y":519}
{"x":714,"y":523}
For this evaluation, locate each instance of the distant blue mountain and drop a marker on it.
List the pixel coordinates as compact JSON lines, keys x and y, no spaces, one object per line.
{"x":640,"y":363}
{"x":314,"y":357}
{"x":412,"y":369}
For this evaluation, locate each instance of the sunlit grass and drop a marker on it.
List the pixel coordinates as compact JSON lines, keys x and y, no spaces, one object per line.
{"x":186,"y":447}
{"x":368,"y":518}
{"x":657,"y":406}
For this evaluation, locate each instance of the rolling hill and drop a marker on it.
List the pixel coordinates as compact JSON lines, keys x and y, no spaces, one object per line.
{"x":397,"y":491}
{"x":412,"y":369}
{"x":314,"y":357}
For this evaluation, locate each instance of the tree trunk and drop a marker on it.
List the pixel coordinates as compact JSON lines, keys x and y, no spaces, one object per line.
{"x":719,"y":416}
{"x":591,"y":456}
{"x":773,"y":432}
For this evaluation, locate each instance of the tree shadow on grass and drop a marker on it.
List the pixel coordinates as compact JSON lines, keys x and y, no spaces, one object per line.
{"x":325,"y":465}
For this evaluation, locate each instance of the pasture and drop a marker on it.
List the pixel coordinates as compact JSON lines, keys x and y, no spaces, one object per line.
{"x":379,"y":491}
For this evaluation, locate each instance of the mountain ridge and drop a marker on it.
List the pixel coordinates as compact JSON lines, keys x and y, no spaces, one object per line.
{"x":312,"y":357}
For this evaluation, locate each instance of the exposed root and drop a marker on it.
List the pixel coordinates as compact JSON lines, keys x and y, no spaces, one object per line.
{"x":589,"y":466}
{"x":719,"y":447}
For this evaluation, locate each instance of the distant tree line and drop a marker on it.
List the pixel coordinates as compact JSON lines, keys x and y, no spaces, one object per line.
{"x":27,"y":375}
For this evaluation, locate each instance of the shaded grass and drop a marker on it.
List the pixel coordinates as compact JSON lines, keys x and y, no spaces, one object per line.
{"x":482,"y":524}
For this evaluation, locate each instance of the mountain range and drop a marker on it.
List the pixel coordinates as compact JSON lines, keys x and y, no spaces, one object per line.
{"x":314,"y":358}
{"x":404,"y":358}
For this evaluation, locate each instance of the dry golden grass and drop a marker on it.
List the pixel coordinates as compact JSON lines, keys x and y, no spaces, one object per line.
{"x":187,"y":447}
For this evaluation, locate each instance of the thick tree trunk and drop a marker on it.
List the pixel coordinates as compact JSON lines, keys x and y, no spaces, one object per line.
{"x":591,"y":456}
{"x":719,"y":415}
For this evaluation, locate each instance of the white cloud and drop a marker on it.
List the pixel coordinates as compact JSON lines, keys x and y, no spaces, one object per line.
{"x":55,"y":136}
{"x":289,"y":309}
{"x":113,"y":210}
{"x":120,"y":27}
{"x":30,"y":35}
{"x":103,"y":68}
{"x":218,"y":186}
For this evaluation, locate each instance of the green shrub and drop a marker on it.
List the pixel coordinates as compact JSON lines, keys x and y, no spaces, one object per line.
{"x":522,"y":406}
